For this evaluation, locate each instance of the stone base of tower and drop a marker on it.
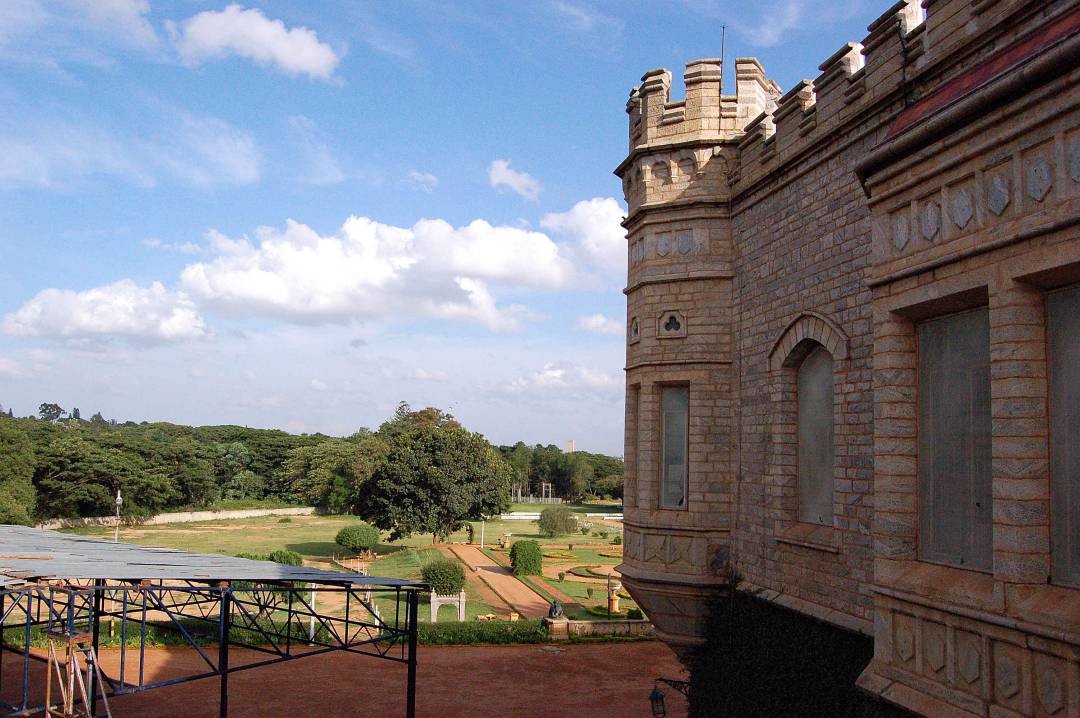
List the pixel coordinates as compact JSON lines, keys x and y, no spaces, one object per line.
{"x":678,"y":610}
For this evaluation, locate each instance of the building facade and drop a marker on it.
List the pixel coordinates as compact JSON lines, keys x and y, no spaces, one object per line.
{"x":853,"y":351}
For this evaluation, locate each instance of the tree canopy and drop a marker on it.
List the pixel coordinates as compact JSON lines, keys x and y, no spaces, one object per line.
{"x":435,"y":475}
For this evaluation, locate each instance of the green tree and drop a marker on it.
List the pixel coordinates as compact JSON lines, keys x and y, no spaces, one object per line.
{"x":17,"y":495}
{"x":358,"y":538}
{"x":526,"y":558}
{"x":330,"y":475}
{"x":435,"y":475}
{"x":445,"y":576}
{"x":557,"y":521}
{"x":50,"y":412}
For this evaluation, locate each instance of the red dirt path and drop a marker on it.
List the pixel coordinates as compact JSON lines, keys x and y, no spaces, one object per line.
{"x":595,"y":680}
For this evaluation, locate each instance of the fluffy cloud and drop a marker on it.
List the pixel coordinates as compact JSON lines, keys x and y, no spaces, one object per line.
{"x":370,"y":270}
{"x":556,"y":376}
{"x":595,"y":226}
{"x":250,"y":34}
{"x":120,"y":309}
{"x":366,"y":271}
{"x":500,"y":175}
{"x":423,"y":181}
{"x":600,"y":324}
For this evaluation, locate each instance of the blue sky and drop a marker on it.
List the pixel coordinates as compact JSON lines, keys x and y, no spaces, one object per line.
{"x":295,"y":214}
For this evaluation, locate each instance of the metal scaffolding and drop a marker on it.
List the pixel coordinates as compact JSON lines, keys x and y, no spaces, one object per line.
{"x":275,"y":612}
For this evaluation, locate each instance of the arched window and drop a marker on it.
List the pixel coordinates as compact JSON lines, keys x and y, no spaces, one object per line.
{"x":816,"y":428}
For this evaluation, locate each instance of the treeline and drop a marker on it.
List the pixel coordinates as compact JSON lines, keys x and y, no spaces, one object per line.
{"x":573,"y":475}
{"x":407,"y":476}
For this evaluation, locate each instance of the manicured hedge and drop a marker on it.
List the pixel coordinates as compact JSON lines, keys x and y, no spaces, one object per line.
{"x":526,"y":558}
{"x":446,"y":576}
{"x":286,"y":557}
{"x":470,"y":632}
{"x":358,"y":537}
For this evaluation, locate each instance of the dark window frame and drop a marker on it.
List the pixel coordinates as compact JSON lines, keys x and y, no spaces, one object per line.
{"x":662,"y":453}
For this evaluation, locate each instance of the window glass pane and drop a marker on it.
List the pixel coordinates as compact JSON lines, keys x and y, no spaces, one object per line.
{"x":1063,"y":315}
{"x":816,"y":437}
{"x":954,"y":440}
{"x":675,"y":411}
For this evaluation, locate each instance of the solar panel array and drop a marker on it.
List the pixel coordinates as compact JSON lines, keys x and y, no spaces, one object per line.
{"x":37,"y":554}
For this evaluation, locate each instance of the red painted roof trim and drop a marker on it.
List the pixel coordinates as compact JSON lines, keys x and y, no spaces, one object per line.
{"x":998,"y":64}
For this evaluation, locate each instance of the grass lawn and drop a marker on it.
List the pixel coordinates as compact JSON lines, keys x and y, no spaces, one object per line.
{"x":579,"y":507}
{"x":310,"y":536}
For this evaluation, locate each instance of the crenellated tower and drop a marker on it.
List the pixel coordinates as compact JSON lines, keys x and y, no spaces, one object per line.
{"x":677,"y":182}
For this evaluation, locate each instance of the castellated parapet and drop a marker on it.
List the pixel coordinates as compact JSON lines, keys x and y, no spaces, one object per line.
{"x":931,"y":168}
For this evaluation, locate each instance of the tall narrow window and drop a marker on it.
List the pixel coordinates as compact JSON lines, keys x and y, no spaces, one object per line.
{"x":954,"y":440}
{"x":1063,"y":318}
{"x":633,"y":397}
{"x":816,"y":437}
{"x":674,"y":449}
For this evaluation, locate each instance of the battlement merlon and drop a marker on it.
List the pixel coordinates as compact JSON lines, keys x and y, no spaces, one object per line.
{"x":705,"y":114}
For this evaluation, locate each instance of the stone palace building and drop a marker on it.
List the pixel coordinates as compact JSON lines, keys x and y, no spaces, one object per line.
{"x":853,"y":350}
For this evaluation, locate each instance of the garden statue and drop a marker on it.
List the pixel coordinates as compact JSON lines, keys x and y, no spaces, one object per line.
{"x":556,"y":610}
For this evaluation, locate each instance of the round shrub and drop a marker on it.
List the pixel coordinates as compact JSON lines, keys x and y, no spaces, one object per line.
{"x":286,"y":557}
{"x":445,"y":576}
{"x":251,"y":556}
{"x":557,"y":521}
{"x":635,"y":614}
{"x":526,"y":558}
{"x":617,"y":540}
{"x":358,"y":538}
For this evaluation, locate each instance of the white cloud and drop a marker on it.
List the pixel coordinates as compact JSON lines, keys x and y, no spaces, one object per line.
{"x":414,"y":374}
{"x":423,"y":181}
{"x":320,"y":164}
{"x":500,"y":175}
{"x":600,"y":324}
{"x":565,"y":376}
{"x":250,"y":34}
{"x":206,"y":152}
{"x":125,"y":18}
{"x":201,"y":151}
{"x":370,"y":270}
{"x":318,"y":385}
{"x":767,"y":23}
{"x":178,"y":247}
{"x":595,"y":226}
{"x":586,"y":18}
{"x":121,"y":309}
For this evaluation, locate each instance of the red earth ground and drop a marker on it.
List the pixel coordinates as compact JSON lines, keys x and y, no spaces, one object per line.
{"x":611,"y":680}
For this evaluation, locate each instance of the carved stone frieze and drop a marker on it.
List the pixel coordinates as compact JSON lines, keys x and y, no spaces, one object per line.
{"x":997,"y":193}
{"x":900,"y":231}
{"x":930,"y":220}
{"x":962,"y":208}
{"x":1039,"y":179}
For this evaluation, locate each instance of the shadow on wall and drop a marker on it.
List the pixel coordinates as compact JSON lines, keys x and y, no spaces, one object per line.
{"x":765,"y":660}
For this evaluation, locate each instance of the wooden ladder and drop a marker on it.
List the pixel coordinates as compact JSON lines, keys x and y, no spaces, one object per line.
{"x":75,"y":676}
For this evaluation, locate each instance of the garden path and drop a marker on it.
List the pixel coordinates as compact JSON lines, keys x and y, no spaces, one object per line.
{"x":523,"y":599}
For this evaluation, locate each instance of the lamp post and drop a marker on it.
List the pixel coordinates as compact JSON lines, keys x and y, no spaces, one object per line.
{"x":119,"y":504}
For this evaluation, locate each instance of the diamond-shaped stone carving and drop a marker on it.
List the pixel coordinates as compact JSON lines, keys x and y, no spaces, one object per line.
{"x":1074,"y":162}
{"x":1050,"y":689}
{"x":997,"y":194}
{"x":930,"y":222}
{"x":934,"y":647}
{"x":962,"y":208}
{"x":968,"y":660}
{"x":1039,"y":179}
{"x":904,"y":640}
{"x":684,"y":243}
{"x":1006,"y":674}
{"x":634,"y":332}
{"x":663,"y":246}
{"x":900,"y":231}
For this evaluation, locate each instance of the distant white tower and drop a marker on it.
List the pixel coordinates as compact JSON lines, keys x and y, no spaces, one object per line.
{"x":571,"y":446}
